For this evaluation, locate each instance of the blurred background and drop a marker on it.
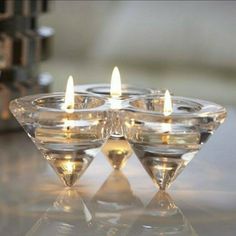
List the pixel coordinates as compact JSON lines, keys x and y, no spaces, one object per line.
{"x":188,"y":47}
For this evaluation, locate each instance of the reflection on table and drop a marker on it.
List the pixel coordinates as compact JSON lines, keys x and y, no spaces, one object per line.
{"x":115,"y":206}
{"x":67,"y":216}
{"x":162,"y":217}
{"x":114,"y":210}
{"x":33,"y":201}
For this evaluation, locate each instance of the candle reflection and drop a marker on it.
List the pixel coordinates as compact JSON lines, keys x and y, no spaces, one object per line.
{"x":67,"y":216}
{"x":115,"y":206}
{"x":114,"y":210}
{"x":117,"y":191}
{"x":162,"y":217}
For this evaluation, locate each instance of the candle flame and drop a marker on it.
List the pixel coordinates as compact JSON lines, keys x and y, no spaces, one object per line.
{"x":69,"y":95}
{"x":115,"y":89}
{"x":167,"y":110}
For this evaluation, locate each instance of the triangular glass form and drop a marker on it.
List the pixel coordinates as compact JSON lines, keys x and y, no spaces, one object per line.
{"x":165,"y":144}
{"x":163,"y":170}
{"x":69,"y":170}
{"x":68,"y":141}
{"x":117,"y":151}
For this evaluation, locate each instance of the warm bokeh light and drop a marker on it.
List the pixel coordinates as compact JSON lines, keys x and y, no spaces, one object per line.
{"x":115,"y":90}
{"x":167,"y":110}
{"x":69,"y":167}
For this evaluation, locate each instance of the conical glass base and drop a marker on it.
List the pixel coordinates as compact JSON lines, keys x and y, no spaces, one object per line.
{"x":117,"y":151}
{"x":69,"y":141}
{"x":68,"y":158}
{"x":163,"y":169}
{"x":166,"y":144}
{"x":162,"y":217}
{"x":70,"y":170}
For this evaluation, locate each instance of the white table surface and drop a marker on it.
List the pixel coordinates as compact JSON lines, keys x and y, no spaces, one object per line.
{"x":33,"y":201}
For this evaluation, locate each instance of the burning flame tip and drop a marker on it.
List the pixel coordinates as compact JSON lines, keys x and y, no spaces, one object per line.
{"x":115,"y":89}
{"x":69,"y":95}
{"x":116,"y":69}
{"x":167,"y":110}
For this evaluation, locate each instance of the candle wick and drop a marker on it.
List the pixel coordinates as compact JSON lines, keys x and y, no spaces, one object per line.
{"x":166,"y":135}
{"x":68,"y":127}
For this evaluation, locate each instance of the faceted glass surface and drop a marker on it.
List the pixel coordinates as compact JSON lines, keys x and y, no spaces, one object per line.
{"x":69,"y":141}
{"x":117,"y":149}
{"x":166,"y":144}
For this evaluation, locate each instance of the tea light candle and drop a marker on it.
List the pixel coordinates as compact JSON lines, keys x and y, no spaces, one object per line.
{"x":69,"y":96}
{"x":166,"y":133}
{"x":68,"y":106}
{"x":69,"y":129}
{"x":115,"y":90}
{"x":167,"y":110}
{"x":68,"y":165}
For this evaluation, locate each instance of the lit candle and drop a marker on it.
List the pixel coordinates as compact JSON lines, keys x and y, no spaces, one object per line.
{"x":167,"y":110}
{"x":68,"y":106}
{"x":115,"y":89}
{"x":117,"y":149}
{"x":115,"y":100}
{"x":68,"y":164}
{"x":69,"y":96}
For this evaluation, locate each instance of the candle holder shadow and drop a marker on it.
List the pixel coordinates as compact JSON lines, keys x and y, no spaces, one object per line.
{"x":68,"y":141}
{"x":166,"y":144}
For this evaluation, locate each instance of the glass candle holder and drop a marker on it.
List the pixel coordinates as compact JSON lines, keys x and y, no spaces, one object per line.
{"x":117,"y":150}
{"x":104,"y":90}
{"x":68,"y":140}
{"x":166,"y":144}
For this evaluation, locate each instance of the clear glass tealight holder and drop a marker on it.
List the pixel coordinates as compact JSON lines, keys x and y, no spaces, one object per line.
{"x":104,"y":90}
{"x":68,"y":139}
{"x":117,"y":150}
{"x":166,"y":144}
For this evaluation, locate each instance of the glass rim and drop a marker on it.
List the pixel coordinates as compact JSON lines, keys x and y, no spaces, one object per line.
{"x":207,"y":108}
{"x":28,"y":103}
{"x":88,"y":89}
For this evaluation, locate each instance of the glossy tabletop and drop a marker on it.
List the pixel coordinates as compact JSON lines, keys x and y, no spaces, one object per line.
{"x":202,"y":201}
